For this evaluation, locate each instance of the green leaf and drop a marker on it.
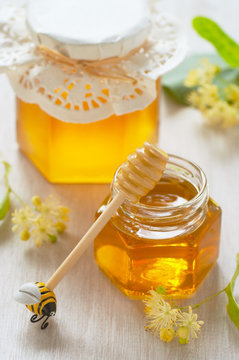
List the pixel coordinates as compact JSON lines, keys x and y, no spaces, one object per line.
{"x":5,"y":201}
{"x":232,"y":306}
{"x":173,"y":82}
{"x":211,"y":31}
{"x":5,"y":205}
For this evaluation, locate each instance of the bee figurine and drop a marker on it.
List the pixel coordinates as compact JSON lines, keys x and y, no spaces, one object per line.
{"x":39,"y":300}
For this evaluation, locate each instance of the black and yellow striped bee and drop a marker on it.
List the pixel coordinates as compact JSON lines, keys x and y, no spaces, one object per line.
{"x":38,"y":299}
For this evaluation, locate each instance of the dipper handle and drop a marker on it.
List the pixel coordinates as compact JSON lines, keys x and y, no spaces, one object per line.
{"x":135,"y":178}
{"x":83,"y":244}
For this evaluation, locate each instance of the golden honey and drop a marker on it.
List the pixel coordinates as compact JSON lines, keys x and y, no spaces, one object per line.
{"x":83,"y":153}
{"x":170,"y":238}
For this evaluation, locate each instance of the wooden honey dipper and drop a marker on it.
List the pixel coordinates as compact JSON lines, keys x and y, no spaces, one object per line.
{"x":135,"y":178}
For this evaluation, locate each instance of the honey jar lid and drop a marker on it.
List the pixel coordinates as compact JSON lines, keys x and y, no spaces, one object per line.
{"x":89,"y":29}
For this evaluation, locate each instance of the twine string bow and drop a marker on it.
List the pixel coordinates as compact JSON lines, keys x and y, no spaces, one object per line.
{"x":107,"y":68}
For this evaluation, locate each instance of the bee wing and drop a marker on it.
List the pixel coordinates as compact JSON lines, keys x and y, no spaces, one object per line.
{"x":28,"y":294}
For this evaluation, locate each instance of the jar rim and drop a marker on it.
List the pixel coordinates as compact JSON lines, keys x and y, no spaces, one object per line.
{"x":200,"y":198}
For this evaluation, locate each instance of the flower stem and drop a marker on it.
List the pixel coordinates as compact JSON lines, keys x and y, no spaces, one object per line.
{"x":211,"y":297}
{"x":172,"y":301}
{"x":18,"y":197}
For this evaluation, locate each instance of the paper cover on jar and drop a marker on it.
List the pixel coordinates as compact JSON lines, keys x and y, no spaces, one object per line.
{"x":82,"y":90}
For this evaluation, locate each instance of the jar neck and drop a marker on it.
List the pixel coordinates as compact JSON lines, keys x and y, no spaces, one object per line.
{"x":189,"y":214}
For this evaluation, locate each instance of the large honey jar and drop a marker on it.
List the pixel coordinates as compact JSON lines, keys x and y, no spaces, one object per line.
{"x":170,"y":238}
{"x":94,"y":150}
{"x":87,"y":81}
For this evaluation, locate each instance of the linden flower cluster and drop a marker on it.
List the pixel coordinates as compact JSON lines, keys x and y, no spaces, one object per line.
{"x":218,"y":110}
{"x":43,"y":222}
{"x":168,"y":322}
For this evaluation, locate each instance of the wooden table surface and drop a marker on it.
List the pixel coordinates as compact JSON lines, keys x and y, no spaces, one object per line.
{"x":94,"y":320}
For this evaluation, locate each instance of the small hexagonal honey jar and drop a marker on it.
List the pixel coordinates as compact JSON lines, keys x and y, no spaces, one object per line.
{"x":170,"y":238}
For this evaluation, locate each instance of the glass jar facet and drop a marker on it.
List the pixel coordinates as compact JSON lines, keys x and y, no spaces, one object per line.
{"x":171,"y":238}
{"x":83,"y":153}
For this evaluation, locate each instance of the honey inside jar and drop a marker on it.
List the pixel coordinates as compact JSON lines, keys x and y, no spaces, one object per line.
{"x":83,"y":153}
{"x":169,"y":239}
{"x":169,"y":192}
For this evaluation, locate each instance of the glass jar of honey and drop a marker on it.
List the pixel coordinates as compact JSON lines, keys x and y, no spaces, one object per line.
{"x":87,"y":81}
{"x":170,"y":238}
{"x":83,"y":153}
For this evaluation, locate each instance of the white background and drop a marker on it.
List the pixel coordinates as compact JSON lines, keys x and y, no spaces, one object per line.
{"x":94,"y":320}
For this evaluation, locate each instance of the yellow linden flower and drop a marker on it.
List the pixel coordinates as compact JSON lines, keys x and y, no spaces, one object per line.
{"x":222,"y":114}
{"x":60,"y":227}
{"x":202,"y":74}
{"x":43,"y":229}
{"x":62,"y":213}
{"x":232,"y":94}
{"x":194,"y":99}
{"x":189,"y":326}
{"x":209,"y":95}
{"x":43,"y":222}
{"x":209,"y":70}
{"x":167,"y":323}
{"x":22,"y":218}
{"x":52,"y":208}
{"x":183,"y":334}
{"x":159,"y":313}
{"x":36,"y":201}
{"x":25,"y":235}
{"x":167,"y":335}
{"x":192,"y":79}
{"x":205,"y":97}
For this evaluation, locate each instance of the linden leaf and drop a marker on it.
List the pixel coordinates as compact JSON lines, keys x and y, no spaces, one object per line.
{"x":211,"y":31}
{"x":232,"y":306}
{"x":5,"y":201}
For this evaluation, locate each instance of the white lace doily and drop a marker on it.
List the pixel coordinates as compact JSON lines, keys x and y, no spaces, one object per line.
{"x":74,"y":95}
